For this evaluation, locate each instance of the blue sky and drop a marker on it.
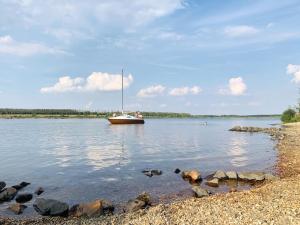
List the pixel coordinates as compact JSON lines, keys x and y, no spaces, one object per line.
{"x":202,"y":57}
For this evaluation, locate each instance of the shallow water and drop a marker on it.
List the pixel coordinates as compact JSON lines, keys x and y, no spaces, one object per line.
{"x":78,"y":160}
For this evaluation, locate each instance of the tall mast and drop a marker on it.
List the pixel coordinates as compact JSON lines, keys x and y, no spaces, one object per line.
{"x":122,"y":94}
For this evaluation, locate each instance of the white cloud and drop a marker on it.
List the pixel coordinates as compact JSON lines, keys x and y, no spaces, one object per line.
{"x":97,"y":81}
{"x":84,"y":14}
{"x":240,"y":31}
{"x":151,"y":91}
{"x":9,"y":46}
{"x":295,"y":71}
{"x":185,"y":91}
{"x":236,"y":86}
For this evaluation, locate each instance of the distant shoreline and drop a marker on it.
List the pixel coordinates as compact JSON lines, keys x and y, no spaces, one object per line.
{"x":76,"y":114}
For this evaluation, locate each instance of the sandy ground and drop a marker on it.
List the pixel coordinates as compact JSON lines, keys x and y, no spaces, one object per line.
{"x":276,"y":202}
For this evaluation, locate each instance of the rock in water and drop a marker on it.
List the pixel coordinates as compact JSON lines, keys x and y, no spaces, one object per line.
{"x":220,"y":175}
{"x":49,"y":207}
{"x":21,"y":185}
{"x":8,"y":194}
{"x":193,"y":175}
{"x":2,"y":185}
{"x":22,"y":198}
{"x":213,"y":182}
{"x":39,"y":191}
{"x":17,"y":208}
{"x":156,"y":172}
{"x":200,"y":192}
{"x":90,"y":209}
{"x":177,"y":171}
{"x":135,"y":205}
{"x":108,"y":206}
{"x":232,"y":175}
{"x":252,"y":176}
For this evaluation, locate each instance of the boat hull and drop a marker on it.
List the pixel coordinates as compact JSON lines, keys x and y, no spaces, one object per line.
{"x":126,"y":121}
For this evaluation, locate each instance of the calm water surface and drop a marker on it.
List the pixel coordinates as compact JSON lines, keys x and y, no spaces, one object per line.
{"x":81,"y":160}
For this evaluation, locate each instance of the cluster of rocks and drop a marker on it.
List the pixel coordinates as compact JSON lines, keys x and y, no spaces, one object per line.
{"x":11,"y":193}
{"x":213,"y":180}
{"x":272,"y":131}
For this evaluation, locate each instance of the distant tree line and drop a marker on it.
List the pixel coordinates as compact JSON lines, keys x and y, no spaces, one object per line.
{"x":65,"y":113}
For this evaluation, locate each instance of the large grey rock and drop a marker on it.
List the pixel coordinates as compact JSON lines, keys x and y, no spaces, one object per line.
{"x":22,"y":198}
{"x":2,"y":185}
{"x":251,"y":176}
{"x":213,"y":182}
{"x":232,"y":175}
{"x":17,"y":208}
{"x":200,"y":192}
{"x":220,"y":175}
{"x":49,"y":207}
{"x":8,"y":194}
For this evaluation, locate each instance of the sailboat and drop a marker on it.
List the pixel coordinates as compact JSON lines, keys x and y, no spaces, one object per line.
{"x":125,"y":118}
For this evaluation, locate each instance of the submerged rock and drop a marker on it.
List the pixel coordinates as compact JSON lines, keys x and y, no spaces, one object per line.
{"x":17,"y":208}
{"x":193,"y":175}
{"x":213,"y":182}
{"x":22,"y":198}
{"x":49,"y":207}
{"x":251,"y":176}
{"x":21,"y":185}
{"x":200,"y":192}
{"x":232,"y":175}
{"x":150,"y":173}
{"x":220,"y":175}
{"x":90,"y":209}
{"x":39,"y":191}
{"x":8,"y":194}
{"x":2,"y":185}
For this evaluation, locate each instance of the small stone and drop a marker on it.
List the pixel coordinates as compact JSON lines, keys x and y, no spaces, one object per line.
{"x":17,"y":208}
{"x":232,"y":175}
{"x":177,"y":171}
{"x":220,"y":175}
{"x":8,"y":194}
{"x":90,"y":209}
{"x":193,"y":175}
{"x":233,"y":189}
{"x":39,"y":191}
{"x":108,"y":206}
{"x":49,"y":207}
{"x":213,"y":182}
{"x":22,"y":198}
{"x":2,"y":185}
{"x":200,"y":192}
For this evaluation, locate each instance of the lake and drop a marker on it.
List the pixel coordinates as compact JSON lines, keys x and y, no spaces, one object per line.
{"x":79,"y":160}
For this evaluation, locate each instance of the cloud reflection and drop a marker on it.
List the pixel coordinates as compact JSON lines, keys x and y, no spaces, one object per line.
{"x":238,"y":151}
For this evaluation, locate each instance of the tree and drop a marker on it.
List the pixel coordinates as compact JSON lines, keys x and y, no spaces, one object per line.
{"x":288,"y":115}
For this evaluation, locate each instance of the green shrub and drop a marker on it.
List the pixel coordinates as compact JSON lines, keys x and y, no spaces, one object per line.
{"x":288,"y":116}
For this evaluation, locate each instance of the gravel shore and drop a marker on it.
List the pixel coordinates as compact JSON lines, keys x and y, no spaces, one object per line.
{"x":276,"y":202}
